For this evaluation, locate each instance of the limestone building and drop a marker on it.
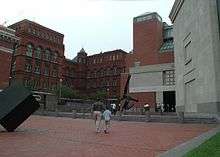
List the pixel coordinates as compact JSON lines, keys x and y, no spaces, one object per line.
{"x":197,"y":55}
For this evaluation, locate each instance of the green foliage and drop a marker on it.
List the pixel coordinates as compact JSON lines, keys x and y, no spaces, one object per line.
{"x":209,"y":148}
{"x":102,"y":94}
{"x":67,"y":92}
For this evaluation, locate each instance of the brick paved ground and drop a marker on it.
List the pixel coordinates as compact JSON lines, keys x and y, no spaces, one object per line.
{"x":66,"y":137}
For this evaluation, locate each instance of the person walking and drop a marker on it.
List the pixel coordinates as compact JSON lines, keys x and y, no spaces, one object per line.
{"x":97,"y":114}
{"x":107,"y":117}
{"x":113,"y":108}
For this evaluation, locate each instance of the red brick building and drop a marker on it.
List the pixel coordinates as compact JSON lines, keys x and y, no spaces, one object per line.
{"x":151,"y":60}
{"x":8,"y":40}
{"x":104,"y":72}
{"x":40,"y":62}
{"x":99,"y":72}
{"x":39,"y":57}
{"x":74,"y":72}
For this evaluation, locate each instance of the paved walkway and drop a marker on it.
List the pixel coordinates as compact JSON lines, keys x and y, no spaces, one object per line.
{"x":62,"y":137}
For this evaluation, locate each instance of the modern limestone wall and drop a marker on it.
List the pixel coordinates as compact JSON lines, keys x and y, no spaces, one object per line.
{"x":197,"y":56}
{"x":149,"y":79}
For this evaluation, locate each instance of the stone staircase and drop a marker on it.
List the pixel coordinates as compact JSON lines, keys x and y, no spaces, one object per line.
{"x":153,"y":117}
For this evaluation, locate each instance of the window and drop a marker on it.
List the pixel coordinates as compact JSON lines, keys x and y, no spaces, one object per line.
{"x":168,"y":33}
{"x":45,"y":84}
{"x":108,"y":71}
{"x":113,"y":57}
{"x":37,"y":68}
{"x":115,"y":70}
{"x":46,"y":70}
{"x":38,"y":53}
{"x":101,"y":72}
{"x":37,"y":84}
{"x":55,"y":72}
{"x":28,"y":67}
{"x":169,"y":77}
{"x":55,"y":56}
{"x":38,"y":33}
{"x":47,"y":55}
{"x":114,"y":83}
{"x":187,"y":48}
{"x":52,"y":57}
{"x":29,"y":51}
{"x":187,"y":52}
{"x":33,"y":31}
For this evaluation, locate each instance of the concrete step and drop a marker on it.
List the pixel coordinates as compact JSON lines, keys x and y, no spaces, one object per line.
{"x":138,"y":118}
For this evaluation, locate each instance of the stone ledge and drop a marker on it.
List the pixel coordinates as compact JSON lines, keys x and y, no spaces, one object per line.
{"x":183,"y":148}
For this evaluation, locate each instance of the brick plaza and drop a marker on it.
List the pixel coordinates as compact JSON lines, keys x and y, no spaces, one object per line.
{"x":62,"y":137}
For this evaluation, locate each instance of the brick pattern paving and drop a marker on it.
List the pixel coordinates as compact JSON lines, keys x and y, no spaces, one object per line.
{"x":66,"y":137}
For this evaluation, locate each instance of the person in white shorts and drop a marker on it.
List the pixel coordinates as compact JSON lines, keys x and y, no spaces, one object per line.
{"x":97,"y":114}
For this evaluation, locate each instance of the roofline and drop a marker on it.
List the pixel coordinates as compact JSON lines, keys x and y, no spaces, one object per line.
{"x":175,"y":9}
{"x":109,"y":52}
{"x":32,"y":22}
{"x":147,"y":15}
{"x":70,"y":60}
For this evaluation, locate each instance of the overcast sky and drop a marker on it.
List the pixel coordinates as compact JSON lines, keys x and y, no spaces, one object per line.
{"x":95,"y":25}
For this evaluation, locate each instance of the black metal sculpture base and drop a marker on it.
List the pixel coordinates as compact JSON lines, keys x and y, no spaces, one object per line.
{"x":16,"y":105}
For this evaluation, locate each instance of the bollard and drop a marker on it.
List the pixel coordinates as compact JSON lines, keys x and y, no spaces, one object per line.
{"x":83,"y":116}
{"x":181,"y":116}
{"x":147,"y":116}
{"x":57,"y":112}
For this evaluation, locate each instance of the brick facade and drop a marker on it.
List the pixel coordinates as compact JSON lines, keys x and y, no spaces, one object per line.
{"x":104,"y":72}
{"x":39,"y":56}
{"x":7,"y":43}
{"x":99,"y":72}
{"x":149,"y":39}
{"x":40,"y":62}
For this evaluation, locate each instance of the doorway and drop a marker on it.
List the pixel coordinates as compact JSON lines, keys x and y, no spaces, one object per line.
{"x":169,"y":100}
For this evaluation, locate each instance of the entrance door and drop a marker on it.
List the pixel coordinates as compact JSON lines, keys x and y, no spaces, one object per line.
{"x":169,"y":100}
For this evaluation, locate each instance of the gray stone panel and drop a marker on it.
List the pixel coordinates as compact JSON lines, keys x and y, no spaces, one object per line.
{"x":197,"y":57}
{"x":211,"y":107}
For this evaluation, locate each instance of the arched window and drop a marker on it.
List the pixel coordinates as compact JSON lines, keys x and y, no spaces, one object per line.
{"x":55,"y":56}
{"x":52,"y":57}
{"x":47,"y":55}
{"x":29,"y":51}
{"x":38,"y":53}
{"x":115,"y":70}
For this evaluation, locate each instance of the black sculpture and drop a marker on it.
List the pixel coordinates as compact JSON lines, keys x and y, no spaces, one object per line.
{"x":125,"y":101}
{"x":16,"y":105}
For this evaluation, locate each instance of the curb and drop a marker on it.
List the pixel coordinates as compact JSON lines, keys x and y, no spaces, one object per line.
{"x":183,"y":148}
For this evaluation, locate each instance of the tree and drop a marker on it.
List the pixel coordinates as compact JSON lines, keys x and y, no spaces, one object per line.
{"x":101,"y":94}
{"x":66,"y":92}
